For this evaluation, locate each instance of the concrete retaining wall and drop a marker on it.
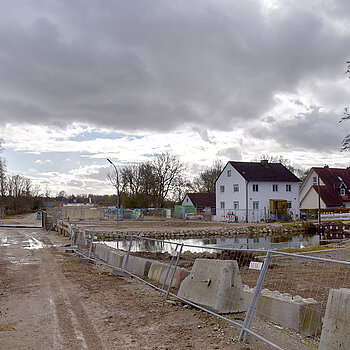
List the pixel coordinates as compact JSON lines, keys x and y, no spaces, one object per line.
{"x":137,"y":265}
{"x":154,"y":270}
{"x":299,"y":314}
{"x":336,"y":326}
{"x":115,"y":258}
{"x":158,"y":271}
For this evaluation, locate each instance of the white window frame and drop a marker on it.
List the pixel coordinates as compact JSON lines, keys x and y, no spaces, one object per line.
{"x":255,"y":187}
{"x":236,"y":205}
{"x":229,"y":173}
{"x":235,"y":187}
{"x":222,"y":188}
{"x":314,"y":180}
{"x":342,"y":191}
{"x":222,"y":205}
{"x":275,"y":188}
{"x":288,"y":188}
{"x":255,"y":205}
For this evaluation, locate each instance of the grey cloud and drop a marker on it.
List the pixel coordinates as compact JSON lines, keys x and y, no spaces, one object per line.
{"x":229,"y":153}
{"x":314,"y":131}
{"x":159,"y":65}
{"x":269,"y":120}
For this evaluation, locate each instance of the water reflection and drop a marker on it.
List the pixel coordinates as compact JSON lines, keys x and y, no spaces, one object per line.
{"x":293,"y":242}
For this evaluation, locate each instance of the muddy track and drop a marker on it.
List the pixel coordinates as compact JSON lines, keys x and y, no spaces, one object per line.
{"x":49,"y":300}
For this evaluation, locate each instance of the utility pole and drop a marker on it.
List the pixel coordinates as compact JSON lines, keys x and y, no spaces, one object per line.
{"x":117,"y":178}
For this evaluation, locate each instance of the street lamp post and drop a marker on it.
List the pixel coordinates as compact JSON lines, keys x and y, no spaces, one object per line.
{"x":117,"y":176}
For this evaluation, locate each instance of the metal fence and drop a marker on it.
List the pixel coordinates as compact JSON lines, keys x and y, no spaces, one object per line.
{"x":256,"y":215}
{"x":287,"y":291}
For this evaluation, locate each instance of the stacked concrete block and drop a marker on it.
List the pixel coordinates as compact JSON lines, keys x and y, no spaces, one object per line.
{"x":214,"y":284}
{"x":336,"y":326}
{"x":296,"y":313}
{"x":158,"y":271}
{"x":137,"y":265}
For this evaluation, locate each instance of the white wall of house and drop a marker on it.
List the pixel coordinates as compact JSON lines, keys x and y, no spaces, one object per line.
{"x":310,"y":181}
{"x":258,"y":201}
{"x":187,"y":201}
{"x":310,"y":200}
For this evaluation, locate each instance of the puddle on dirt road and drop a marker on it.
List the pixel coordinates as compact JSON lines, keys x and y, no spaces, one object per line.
{"x":4,"y":242}
{"x":34,"y":243}
{"x":25,"y":262}
{"x":297,"y":242}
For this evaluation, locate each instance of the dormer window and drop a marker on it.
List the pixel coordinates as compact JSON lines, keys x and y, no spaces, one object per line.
{"x":342,"y":191}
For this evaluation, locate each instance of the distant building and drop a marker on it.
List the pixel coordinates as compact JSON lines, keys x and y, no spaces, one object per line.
{"x":202,"y":201}
{"x":331,"y":185}
{"x":255,"y":191}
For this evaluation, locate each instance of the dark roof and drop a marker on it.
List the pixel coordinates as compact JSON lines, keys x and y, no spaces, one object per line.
{"x":264,"y":171}
{"x":333,"y":179}
{"x":202,"y":200}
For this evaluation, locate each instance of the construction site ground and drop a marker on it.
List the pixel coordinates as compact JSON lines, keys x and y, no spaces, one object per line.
{"x":49,"y":299}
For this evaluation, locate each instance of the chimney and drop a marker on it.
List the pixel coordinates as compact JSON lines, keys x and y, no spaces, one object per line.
{"x":326,"y":166}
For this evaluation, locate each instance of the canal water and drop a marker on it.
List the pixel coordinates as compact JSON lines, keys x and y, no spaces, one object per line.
{"x":197,"y":245}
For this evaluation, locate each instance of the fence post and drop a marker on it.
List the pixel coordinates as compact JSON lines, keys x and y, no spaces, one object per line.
{"x":172,"y":277}
{"x":92,"y":235}
{"x":125,"y":265}
{"x":169,"y":267}
{"x":71,"y":236}
{"x":54,"y":221}
{"x":255,"y":298}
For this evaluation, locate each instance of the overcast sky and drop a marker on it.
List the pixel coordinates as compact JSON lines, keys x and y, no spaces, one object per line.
{"x":83,"y":80}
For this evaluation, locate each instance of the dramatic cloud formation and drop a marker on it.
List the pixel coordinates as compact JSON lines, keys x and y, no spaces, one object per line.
{"x":230,"y":79}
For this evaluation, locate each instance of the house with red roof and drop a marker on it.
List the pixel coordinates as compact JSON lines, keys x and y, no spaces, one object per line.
{"x":201,"y":201}
{"x":329,"y":185}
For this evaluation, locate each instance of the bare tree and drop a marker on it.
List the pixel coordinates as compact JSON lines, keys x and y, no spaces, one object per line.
{"x":167,"y":169}
{"x":205,"y":181}
{"x":298,"y":172}
{"x":115,"y":179}
{"x":2,"y":171}
{"x":131,"y":175}
{"x":345,"y":145}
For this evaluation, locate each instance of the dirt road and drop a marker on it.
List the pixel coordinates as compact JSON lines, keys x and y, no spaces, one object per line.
{"x":51,"y":300}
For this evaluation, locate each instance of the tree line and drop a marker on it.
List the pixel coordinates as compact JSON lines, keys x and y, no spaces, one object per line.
{"x":159,"y":182}
{"x":17,"y":192}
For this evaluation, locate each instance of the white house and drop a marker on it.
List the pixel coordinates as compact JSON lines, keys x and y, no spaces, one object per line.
{"x":255,"y":191}
{"x":201,"y":201}
{"x":330,"y":186}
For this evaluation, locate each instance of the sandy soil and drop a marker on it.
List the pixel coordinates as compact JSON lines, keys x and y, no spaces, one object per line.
{"x":51,"y":300}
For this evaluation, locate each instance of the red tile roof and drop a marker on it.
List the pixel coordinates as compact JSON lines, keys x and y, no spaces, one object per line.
{"x":333,"y":179}
{"x":202,"y":200}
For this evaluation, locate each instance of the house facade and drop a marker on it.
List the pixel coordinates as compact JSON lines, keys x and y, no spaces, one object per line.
{"x":201,"y":201}
{"x":325,"y":187}
{"x":255,"y":191}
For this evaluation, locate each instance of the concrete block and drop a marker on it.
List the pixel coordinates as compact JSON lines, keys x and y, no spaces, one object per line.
{"x":102,"y":251}
{"x":157,"y":272}
{"x":296,"y":313}
{"x":336,"y":326}
{"x":214,"y":284}
{"x":137,"y":265}
{"x":82,"y":239}
{"x":115,"y":258}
